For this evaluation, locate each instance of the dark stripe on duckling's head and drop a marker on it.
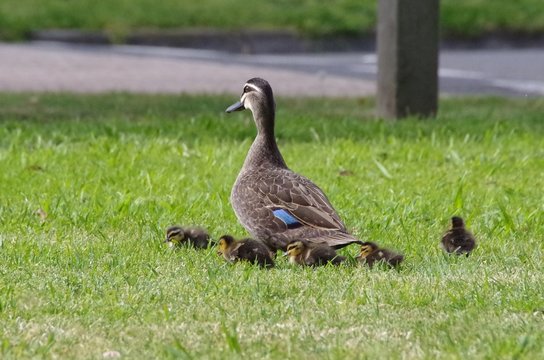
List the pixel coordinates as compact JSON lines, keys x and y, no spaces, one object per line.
{"x":174,"y":233}
{"x":367,"y":248}
{"x":295,"y":248}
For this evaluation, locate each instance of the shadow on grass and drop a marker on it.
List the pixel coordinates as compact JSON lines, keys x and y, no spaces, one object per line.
{"x":192,"y":117}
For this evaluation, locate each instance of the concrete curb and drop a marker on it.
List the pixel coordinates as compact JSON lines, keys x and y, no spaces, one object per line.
{"x":270,"y":41}
{"x":244,"y":41}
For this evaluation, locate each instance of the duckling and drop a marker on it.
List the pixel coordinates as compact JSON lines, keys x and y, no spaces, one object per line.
{"x":247,"y":249}
{"x":303,"y":253}
{"x":195,"y":236}
{"x":372,"y":253}
{"x":458,"y":240}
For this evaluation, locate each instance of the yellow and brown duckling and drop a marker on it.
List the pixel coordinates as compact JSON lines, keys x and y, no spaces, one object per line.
{"x":247,"y":249}
{"x":371,"y":253}
{"x":195,"y":236}
{"x":304,"y":253}
{"x":458,"y":240}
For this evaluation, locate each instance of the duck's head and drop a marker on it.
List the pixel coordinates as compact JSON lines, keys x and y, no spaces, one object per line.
{"x":367,"y":248}
{"x":457,"y":222}
{"x":175,"y":235}
{"x":295,"y":248}
{"x":257,"y":96}
{"x":225,"y":242}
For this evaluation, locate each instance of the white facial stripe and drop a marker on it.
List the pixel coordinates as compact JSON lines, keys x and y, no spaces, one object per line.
{"x":253,"y":87}
{"x":247,"y":104}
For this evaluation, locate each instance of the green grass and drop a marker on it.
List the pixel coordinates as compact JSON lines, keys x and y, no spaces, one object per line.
{"x":113,"y":171}
{"x":310,"y":17}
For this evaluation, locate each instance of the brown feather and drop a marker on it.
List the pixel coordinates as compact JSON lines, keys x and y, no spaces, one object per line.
{"x":458,"y":240}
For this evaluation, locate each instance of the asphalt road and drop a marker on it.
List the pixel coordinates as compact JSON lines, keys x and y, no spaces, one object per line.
{"x":60,"y":67}
{"x":514,"y":72}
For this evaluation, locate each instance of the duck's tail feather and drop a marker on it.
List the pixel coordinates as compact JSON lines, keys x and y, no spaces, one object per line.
{"x":336,"y":240}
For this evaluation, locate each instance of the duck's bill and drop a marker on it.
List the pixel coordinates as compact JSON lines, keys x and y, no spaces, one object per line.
{"x":235,"y":107}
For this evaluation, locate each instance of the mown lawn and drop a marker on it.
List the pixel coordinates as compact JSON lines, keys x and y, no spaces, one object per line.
{"x":309,"y":17}
{"x":89,"y":274}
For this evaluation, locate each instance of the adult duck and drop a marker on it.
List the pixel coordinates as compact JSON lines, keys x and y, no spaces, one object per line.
{"x":273,"y":203}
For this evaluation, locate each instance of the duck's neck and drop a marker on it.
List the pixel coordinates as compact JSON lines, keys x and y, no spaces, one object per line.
{"x":264,"y":150}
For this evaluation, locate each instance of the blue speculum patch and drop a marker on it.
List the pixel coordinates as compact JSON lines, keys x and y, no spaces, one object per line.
{"x":287,"y":218}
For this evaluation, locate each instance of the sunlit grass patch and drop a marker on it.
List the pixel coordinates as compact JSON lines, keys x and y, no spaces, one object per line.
{"x":90,"y":183}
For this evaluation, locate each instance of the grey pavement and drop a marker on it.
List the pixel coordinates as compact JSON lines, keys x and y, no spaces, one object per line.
{"x":43,"y":66}
{"x":57,"y":67}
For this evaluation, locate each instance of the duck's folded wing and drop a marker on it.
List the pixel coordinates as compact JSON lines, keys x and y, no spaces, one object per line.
{"x":294,"y":198}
